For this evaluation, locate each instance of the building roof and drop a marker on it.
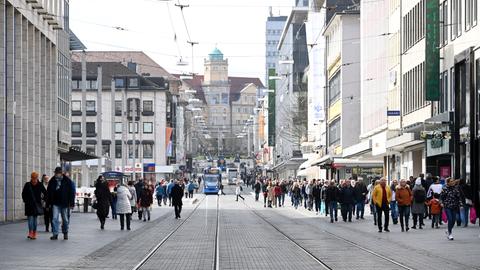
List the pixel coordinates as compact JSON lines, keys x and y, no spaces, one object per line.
{"x":146,"y":66}
{"x":75,"y":43}
{"x":114,"y":69}
{"x":237,"y":84}
{"x":216,"y":54}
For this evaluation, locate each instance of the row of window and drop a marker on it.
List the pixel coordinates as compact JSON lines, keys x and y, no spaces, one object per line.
{"x":447,"y":97}
{"x":273,"y":53}
{"x":334,"y":88}
{"x":248,"y":110}
{"x":414,"y":25}
{"x":334,"y":132}
{"x":132,"y":127}
{"x":451,"y":18}
{"x":274,"y":32}
{"x":414,"y":89}
{"x":147,"y":150}
{"x":119,"y":83}
{"x":91,"y":106}
{"x":272,"y":42}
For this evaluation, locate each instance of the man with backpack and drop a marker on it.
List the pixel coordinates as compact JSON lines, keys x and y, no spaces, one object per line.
{"x":418,"y":205}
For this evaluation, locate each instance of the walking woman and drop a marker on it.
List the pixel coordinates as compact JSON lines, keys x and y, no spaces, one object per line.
{"x":238,"y":191}
{"x":403,"y":195}
{"x":47,"y":210}
{"x":451,"y":198}
{"x":124,"y":209}
{"x":418,"y":205}
{"x":32,"y":197}
{"x":146,"y":201}
{"x":104,"y":200}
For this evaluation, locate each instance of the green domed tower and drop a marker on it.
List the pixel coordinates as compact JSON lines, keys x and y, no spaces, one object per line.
{"x":216,"y":68}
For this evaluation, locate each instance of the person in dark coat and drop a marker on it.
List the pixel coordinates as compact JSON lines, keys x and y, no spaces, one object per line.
{"x":177,"y":194}
{"x":139,"y":189}
{"x":361,"y":192}
{"x":146,"y":201}
{"x":104,"y":200}
{"x":347,"y":200}
{"x":32,"y":197}
{"x":47,"y":211}
{"x":331,"y":200}
{"x":61,"y":197}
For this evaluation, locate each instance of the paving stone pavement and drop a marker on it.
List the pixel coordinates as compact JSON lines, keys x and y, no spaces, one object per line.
{"x":17,"y":252}
{"x":418,"y":249}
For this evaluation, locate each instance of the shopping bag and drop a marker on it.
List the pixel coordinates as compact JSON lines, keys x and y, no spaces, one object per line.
{"x":444,"y":216}
{"x":473,"y":215}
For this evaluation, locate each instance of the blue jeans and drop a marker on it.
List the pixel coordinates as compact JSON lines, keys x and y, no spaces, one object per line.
{"x":451,"y":217}
{"x":296,"y":201}
{"x":318,"y":204}
{"x":333,"y":206}
{"x":360,"y":209}
{"x":464,"y":217}
{"x":404,"y":215}
{"x":394,"y":210}
{"x":56,"y":212}
{"x":32,"y":223}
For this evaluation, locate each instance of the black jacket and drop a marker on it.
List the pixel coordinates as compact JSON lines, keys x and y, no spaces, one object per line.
{"x":139,"y":189}
{"x":177,"y":194}
{"x":347,"y":195}
{"x":331,"y":194}
{"x":32,"y":197}
{"x":361,"y":192}
{"x":64,"y":196}
{"x":257,"y":187}
{"x":317,"y":192}
{"x":104,"y":199}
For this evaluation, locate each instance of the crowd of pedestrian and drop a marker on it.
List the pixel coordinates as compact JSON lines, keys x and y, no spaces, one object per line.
{"x":55,"y":197}
{"x":439,"y":200}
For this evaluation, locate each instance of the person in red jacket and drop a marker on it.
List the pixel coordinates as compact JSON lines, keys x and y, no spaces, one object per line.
{"x":277,"y":191}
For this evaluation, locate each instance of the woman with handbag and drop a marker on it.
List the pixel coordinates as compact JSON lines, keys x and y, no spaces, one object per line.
{"x":32,"y":197}
{"x":103,"y":200}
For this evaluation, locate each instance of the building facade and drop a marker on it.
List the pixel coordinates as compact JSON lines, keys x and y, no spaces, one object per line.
{"x":121,"y":117}
{"x":273,"y":31}
{"x":35,"y":91}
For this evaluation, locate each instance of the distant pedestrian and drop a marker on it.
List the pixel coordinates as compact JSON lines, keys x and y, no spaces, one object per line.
{"x":139,"y":189}
{"x":451,"y":198}
{"x":296,"y":193}
{"x":191,"y":188}
{"x":169,"y":191}
{"x":277,"y":191}
{"x":360,"y":198}
{"x":418,"y":205}
{"x":284,"y":189}
{"x":257,"y":188}
{"x":161,"y":194}
{"x":114,"y":202}
{"x":265,"y":193}
{"x":238,"y":191}
{"x":393,"y":202}
{"x":124,"y":209}
{"x":32,"y":197}
{"x":467,"y":202}
{"x":47,"y":210}
{"x":221,"y":189}
{"x":381,"y":197}
{"x":435,"y":209}
{"x":103,"y":199}
{"x":61,"y":198}
{"x":373,"y":209}
{"x":347,"y":200}
{"x":146,"y":201}
{"x":317,"y":197}
{"x":403,"y":195}
{"x":133,"y":199}
{"x":331,"y":199}
{"x":177,"y":194}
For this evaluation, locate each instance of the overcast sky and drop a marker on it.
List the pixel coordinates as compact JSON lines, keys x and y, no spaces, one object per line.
{"x":237,"y":27}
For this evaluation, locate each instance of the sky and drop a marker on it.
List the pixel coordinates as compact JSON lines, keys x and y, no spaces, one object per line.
{"x":236,"y":27}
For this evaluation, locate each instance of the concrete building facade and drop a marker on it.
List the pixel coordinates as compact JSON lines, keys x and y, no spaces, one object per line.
{"x":35,"y":91}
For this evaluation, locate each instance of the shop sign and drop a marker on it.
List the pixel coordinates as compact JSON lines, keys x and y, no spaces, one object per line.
{"x":432,"y":52}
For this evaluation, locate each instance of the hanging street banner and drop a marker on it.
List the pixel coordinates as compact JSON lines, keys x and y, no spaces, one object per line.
{"x":432,"y":52}
{"x":271,"y":108}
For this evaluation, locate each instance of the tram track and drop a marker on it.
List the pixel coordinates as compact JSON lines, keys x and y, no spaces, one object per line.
{"x":150,"y":257}
{"x":337,"y":237}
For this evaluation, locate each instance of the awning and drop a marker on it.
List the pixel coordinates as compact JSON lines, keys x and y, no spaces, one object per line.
{"x":75,"y":154}
{"x":345,"y":162}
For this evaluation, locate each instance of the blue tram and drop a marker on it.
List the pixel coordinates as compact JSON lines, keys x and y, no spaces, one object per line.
{"x":212,"y":180}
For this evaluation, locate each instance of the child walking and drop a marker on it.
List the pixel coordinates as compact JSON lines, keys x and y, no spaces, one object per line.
{"x":435,"y":209}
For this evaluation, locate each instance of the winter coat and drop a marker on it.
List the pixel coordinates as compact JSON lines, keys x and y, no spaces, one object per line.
{"x":296,"y":192}
{"x":133,"y":199}
{"x":331,"y":194}
{"x":62,"y":195}
{"x":238,"y":190}
{"x":139,"y":189}
{"x":403,"y":195}
{"x":169,"y":188}
{"x":436,"y":208}
{"x":451,"y":197}
{"x":277,"y":191}
{"x":177,"y":194}
{"x":104,"y":199}
{"x":347,"y":195}
{"x":257,"y":187}
{"x":417,"y":206}
{"x":377,"y":195}
{"x":123,"y":200}
{"x":271,"y":193}
{"x":161,"y":191}
{"x":33,"y":197}
{"x":360,"y":192}
{"x":317,"y":192}
{"x":146,"y":199}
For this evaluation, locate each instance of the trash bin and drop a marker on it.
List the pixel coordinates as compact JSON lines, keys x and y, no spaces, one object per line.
{"x":86,"y":203}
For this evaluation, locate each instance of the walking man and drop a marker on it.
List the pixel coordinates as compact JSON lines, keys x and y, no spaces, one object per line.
{"x":176,"y":195}
{"x":382,"y":195}
{"x":60,"y":197}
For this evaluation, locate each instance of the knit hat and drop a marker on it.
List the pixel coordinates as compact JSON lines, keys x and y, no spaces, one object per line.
{"x":58,"y":170}
{"x":418,"y":182}
{"x":34,"y":175}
